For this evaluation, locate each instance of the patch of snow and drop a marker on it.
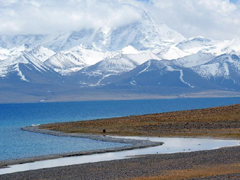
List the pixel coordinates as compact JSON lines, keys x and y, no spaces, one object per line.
{"x":133,"y":82}
{"x":11,"y":64}
{"x":116,"y":65}
{"x":209,"y":70}
{"x":16,"y":51}
{"x":145,"y":69}
{"x":142,"y":57}
{"x":22,"y":77}
{"x":194,"y":59}
{"x":100,"y":80}
{"x":172,"y":53}
{"x":42,"y":53}
{"x":219,"y":67}
{"x":65,"y":63}
{"x":226,"y":69}
{"x":169,"y":68}
{"x":129,"y":50}
{"x":4,"y":54}
{"x":88,"y":56}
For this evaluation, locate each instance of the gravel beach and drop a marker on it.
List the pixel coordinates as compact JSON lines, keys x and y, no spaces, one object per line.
{"x":147,"y":166}
{"x":220,"y":122}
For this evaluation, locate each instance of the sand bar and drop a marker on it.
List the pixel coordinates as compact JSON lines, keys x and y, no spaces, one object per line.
{"x":128,"y":144}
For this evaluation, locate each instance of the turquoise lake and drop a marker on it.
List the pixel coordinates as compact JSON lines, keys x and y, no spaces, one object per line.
{"x":15,"y":143}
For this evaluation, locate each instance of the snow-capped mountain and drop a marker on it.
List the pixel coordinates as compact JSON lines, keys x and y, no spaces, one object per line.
{"x":95,"y":74}
{"x":188,"y":47}
{"x":223,"y":70}
{"x":27,"y":68}
{"x":162,"y":74}
{"x":141,"y":57}
{"x":232,"y":46}
{"x":41,"y":53}
{"x":65,"y":63}
{"x":144,"y":35}
{"x":194,"y":59}
{"x":114,"y":64}
{"x":196,"y":44}
{"x":4,"y":53}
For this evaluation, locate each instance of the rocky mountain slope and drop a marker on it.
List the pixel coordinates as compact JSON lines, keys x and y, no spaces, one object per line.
{"x":141,"y":58}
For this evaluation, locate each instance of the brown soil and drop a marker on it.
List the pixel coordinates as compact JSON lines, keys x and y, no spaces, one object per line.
{"x":221,"y":122}
{"x":213,"y":164}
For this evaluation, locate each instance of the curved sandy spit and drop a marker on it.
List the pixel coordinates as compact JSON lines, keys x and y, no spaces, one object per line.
{"x":130,"y":144}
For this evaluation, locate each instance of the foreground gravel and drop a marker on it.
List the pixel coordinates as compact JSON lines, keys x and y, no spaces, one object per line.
{"x":151,"y":165}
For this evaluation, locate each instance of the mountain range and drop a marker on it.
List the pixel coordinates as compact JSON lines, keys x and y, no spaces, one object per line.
{"x":135,"y":61}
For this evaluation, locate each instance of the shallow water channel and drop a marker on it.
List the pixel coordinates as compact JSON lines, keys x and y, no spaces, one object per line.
{"x":171,"y":145}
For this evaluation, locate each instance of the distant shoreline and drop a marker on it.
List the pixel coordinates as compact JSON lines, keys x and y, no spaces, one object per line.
{"x":24,"y":99}
{"x":130,"y":144}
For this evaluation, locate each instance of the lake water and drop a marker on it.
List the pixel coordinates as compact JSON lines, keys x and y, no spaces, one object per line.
{"x":15,"y":143}
{"x":171,"y":145}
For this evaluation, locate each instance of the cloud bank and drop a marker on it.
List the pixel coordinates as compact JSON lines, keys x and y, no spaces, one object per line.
{"x":218,"y":19}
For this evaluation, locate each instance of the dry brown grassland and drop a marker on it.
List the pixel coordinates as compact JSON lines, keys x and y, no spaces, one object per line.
{"x":221,"y":122}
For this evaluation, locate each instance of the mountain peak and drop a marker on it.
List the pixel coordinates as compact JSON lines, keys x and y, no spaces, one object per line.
{"x":141,"y":35}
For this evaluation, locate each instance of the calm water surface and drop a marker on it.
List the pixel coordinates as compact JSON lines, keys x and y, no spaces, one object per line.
{"x":15,"y":143}
{"x":171,"y":145}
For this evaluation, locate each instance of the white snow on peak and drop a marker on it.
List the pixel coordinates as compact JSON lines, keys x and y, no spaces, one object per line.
{"x":42,"y":53}
{"x":198,"y":45}
{"x":115,"y":66}
{"x":12,"y":65}
{"x":209,"y":70}
{"x":222,"y":47}
{"x":194,"y":59}
{"x":188,"y":47}
{"x":116,"y":50}
{"x":16,"y":51}
{"x":4,"y":53}
{"x":88,"y":56}
{"x":146,"y":68}
{"x":218,"y":67}
{"x":172,"y":52}
{"x":195,"y":44}
{"x":169,"y":35}
{"x":129,"y":50}
{"x":142,"y":57}
{"x":65,"y":63}
{"x":140,"y":35}
{"x":154,"y":37}
{"x":232,"y":46}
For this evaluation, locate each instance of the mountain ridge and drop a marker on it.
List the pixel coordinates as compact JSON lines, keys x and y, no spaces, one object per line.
{"x":139,"y":59}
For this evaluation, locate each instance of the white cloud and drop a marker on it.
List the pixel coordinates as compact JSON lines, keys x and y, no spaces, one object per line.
{"x":217,"y":19}
{"x":48,"y":16}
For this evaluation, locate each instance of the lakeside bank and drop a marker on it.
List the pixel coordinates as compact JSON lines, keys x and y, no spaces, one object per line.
{"x":215,"y":122}
{"x":128,"y":144}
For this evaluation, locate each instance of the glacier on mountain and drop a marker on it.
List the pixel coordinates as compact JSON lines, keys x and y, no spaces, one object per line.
{"x":141,"y":57}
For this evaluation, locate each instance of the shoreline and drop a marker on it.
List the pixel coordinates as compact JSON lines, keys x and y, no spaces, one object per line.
{"x":218,"y":122}
{"x":130,"y":144}
{"x":113,"y":97}
{"x":160,"y":166}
